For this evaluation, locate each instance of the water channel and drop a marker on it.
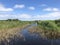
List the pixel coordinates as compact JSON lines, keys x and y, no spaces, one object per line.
{"x":31,"y":39}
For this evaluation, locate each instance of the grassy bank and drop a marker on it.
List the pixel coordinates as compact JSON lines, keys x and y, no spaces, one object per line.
{"x":9,"y":30}
{"x":47,"y":29}
{"x":12,"y":24}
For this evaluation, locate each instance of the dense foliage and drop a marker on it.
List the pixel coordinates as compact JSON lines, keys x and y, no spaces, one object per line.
{"x":10,"y":30}
{"x":7,"y":24}
{"x":50,"y":29}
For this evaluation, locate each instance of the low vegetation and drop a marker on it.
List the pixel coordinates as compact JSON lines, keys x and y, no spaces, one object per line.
{"x":10,"y":30}
{"x":49,"y":29}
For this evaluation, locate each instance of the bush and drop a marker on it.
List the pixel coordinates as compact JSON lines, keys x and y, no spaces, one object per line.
{"x":48,"y":25}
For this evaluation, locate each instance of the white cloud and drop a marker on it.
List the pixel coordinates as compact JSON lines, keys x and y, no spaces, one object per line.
{"x":55,"y":9}
{"x":2,"y":8}
{"x":47,"y":9}
{"x":50,"y":16}
{"x":51,"y":9}
{"x":19,"y":6}
{"x":7,"y":16}
{"x":31,"y":8}
{"x":43,"y":5}
{"x":19,"y":16}
{"x":24,"y":16}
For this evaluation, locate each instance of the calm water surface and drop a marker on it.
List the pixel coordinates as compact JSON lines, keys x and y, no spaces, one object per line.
{"x":35,"y":39}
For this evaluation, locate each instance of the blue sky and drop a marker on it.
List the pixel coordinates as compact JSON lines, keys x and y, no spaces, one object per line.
{"x":30,"y":9}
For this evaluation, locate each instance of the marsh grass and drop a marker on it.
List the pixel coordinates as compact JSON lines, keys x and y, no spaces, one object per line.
{"x":11,"y":24}
{"x":10,"y":30}
{"x":47,"y":29}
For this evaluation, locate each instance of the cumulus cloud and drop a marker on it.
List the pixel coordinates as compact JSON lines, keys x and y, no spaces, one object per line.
{"x":7,"y":16}
{"x":43,"y":5}
{"x":19,"y":6}
{"x":50,"y":16}
{"x":51,"y":9}
{"x":2,"y":8}
{"x":19,"y":16}
{"x":24,"y":16}
{"x":31,"y":8}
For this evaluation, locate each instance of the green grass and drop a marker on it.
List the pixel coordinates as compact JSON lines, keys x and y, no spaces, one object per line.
{"x":48,"y":25}
{"x":9,"y":29}
{"x":12,"y":24}
{"x":49,"y":29}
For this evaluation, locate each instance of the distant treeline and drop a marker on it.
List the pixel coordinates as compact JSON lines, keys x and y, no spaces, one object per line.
{"x":12,"y":20}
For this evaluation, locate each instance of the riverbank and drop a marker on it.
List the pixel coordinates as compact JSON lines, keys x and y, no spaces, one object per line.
{"x":47,"y":29}
{"x":10,"y":31}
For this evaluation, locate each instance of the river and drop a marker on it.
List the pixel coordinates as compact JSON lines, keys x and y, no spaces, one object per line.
{"x":36,"y":39}
{"x":31,"y":39}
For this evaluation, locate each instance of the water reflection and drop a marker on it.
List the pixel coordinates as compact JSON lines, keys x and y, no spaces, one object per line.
{"x":34,"y":39}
